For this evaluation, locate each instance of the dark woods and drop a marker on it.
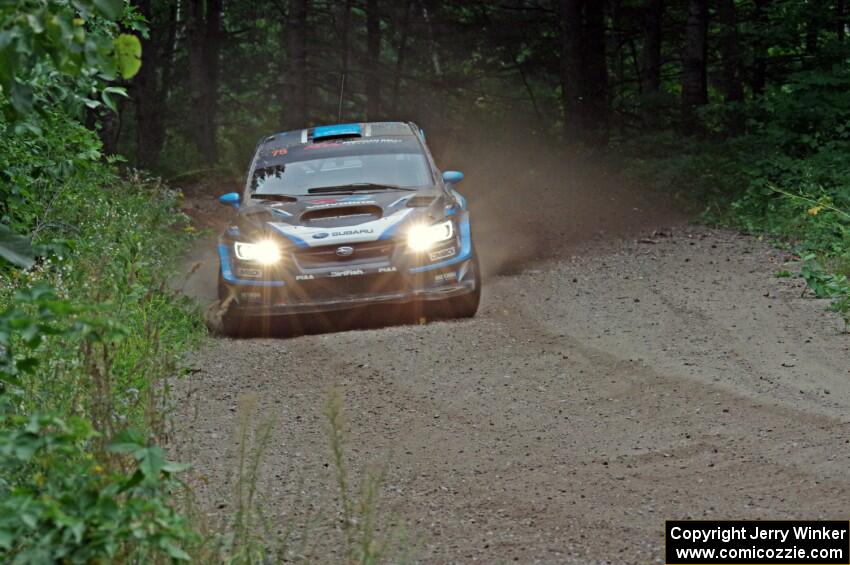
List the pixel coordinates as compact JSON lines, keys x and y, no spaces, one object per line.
{"x":218,"y":74}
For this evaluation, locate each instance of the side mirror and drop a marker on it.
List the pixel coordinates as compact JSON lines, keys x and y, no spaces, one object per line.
{"x":452,"y":177}
{"x":230,"y":199}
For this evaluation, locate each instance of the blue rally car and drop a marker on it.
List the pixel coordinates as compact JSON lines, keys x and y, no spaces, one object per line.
{"x":343,"y":216}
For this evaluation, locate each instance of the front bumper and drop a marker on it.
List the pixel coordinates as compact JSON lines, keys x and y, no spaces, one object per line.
{"x":308,"y":281}
{"x":270,"y":304}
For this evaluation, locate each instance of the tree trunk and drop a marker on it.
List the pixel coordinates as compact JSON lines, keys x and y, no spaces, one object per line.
{"x":107,"y":125}
{"x":294,"y":108}
{"x":345,"y":54}
{"x":204,"y":30}
{"x":149,"y":131}
{"x":152,"y":83}
{"x":402,"y":53}
{"x":432,"y":40}
{"x":283,"y":94}
{"x":813,"y":27}
{"x":373,"y":43}
{"x":197,"y":73}
{"x":570,"y":13}
{"x":694,"y":57}
{"x":652,"y":19}
{"x":594,"y":86}
{"x":840,"y":19}
{"x":759,"y":79}
{"x":212,"y":56}
{"x":733,"y":90}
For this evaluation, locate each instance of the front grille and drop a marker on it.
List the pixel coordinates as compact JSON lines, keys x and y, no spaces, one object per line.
{"x":327,"y":256}
{"x":348,"y":286}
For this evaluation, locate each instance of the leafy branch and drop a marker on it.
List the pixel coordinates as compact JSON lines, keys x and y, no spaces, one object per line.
{"x":819,"y":204}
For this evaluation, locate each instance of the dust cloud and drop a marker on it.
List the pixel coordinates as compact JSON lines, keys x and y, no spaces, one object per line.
{"x":531,"y":201}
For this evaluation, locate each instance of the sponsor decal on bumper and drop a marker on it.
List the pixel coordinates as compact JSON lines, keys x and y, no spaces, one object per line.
{"x":442,"y":254}
{"x":347,"y":273}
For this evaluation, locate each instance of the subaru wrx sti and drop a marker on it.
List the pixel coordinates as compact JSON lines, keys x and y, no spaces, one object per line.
{"x":344,"y":216}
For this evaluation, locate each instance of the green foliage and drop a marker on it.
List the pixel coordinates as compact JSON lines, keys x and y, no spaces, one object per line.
{"x":828,"y":285}
{"x":89,"y":334}
{"x":40,"y":167}
{"x":107,"y":242}
{"x":42,"y":37}
{"x":359,"y":517}
{"x":14,"y":248}
{"x":89,"y":331}
{"x":35,"y":314}
{"x":62,"y":498}
{"x":60,"y":503}
{"x":822,"y":284}
{"x":128,"y":55}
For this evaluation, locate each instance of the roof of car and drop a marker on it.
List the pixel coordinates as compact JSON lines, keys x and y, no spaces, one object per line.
{"x":342,"y":131}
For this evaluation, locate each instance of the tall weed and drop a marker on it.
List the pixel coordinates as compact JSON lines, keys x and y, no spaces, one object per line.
{"x":349,"y":533}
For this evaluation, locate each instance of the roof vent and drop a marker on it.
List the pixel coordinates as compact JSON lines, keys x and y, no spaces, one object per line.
{"x":337,"y":131}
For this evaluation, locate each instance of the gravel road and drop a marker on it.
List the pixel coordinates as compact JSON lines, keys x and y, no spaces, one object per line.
{"x":634,"y":368}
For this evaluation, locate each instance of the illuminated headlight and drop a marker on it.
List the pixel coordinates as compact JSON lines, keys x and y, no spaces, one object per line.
{"x":265,"y":252}
{"x":423,"y":238}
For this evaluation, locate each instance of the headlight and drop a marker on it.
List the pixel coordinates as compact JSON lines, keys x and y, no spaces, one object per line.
{"x":423,"y":238}
{"x":265,"y":252}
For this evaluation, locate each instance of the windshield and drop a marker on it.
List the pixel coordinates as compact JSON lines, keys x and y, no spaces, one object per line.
{"x":405,"y":170}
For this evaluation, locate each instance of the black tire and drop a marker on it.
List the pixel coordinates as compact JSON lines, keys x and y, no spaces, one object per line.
{"x":465,"y":305}
{"x":223,"y":291}
{"x":232,"y":324}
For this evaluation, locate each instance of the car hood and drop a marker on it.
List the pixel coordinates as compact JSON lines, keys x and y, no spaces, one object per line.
{"x":327,"y":219}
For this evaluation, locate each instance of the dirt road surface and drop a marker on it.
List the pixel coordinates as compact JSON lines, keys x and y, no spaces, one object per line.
{"x":625,"y":368}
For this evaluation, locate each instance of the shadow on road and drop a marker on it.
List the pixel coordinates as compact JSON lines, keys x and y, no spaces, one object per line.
{"x":366,"y":318}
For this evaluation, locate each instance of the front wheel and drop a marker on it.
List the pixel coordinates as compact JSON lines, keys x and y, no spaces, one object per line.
{"x":232,"y":326}
{"x":230,"y":322}
{"x":465,"y":305}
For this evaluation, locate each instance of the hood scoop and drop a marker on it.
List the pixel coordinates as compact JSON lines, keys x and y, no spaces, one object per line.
{"x":420,"y":201}
{"x":273,"y":197}
{"x":341,"y":216}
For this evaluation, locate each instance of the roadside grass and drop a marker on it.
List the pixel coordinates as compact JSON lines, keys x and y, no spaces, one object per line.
{"x":90,"y":335}
{"x":119,"y":274}
{"x":813,"y":221}
{"x":811,"y":224}
{"x":355,"y":530}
